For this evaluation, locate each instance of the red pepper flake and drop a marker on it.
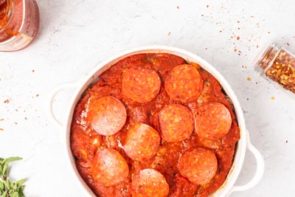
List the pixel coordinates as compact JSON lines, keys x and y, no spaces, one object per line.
{"x":33,"y":71}
{"x":1,"y":129}
{"x":258,"y":25}
{"x":238,"y":37}
{"x":249,"y":78}
{"x":6,"y":101}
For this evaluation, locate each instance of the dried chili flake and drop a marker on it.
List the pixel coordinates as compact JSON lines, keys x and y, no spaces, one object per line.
{"x":278,"y":64}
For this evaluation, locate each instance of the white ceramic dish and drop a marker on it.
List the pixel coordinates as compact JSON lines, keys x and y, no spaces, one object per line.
{"x":243,"y":145}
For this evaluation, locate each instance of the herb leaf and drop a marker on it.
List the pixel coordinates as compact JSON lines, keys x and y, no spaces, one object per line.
{"x":8,"y":187}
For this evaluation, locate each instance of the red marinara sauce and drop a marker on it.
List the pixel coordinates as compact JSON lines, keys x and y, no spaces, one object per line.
{"x":154,"y":125}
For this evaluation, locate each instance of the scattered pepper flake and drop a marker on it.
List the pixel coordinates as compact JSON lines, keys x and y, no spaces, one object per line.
{"x":257,"y":25}
{"x":33,"y":71}
{"x":177,"y":7}
{"x":249,"y":78}
{"x":287,"y":141}
{"x":273,"y":98}
{"x":207,"y":6}
{"x":238,"y":37}
{"x":169,"y":33}
{"x":6,"y":101}
{"x":1,"y":129}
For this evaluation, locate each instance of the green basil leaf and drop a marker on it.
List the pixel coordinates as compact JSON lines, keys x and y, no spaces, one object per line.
{"x":5,"y":169}
{"x":21,"y":182}
{"x":1,"y":170}
{"x":8,"y":187}
{"x":11,"y":159}
{"x":1,"y":186}
{"x":4,"y":194}
{"x":14,"y":194}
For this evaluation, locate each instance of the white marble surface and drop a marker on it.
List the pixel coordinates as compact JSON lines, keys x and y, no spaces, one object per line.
{"x":76,"y":34}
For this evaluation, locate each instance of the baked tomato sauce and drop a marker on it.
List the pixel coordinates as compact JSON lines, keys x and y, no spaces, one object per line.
{"x":154,"y":125}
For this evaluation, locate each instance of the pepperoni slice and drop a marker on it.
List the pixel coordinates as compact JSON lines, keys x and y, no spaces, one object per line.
{"x":149,"y":183}
{"x":140,"y":85}
{"x":176,"y":122}
{"x":107,"y":115}
{"x":212,"y":121}
{"x":198,"y":165}
{"x":110,"y":168}
{"x":142,"y":142}
{"x":184,"y":83}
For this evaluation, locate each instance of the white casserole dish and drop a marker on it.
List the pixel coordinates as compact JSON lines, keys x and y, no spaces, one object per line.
{"x":243,"y":145}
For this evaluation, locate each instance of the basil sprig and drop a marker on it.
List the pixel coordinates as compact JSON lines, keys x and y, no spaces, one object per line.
{"x":8,"y":187}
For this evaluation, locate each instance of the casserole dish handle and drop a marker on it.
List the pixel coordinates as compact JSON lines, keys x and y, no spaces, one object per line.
{"x":259,"y":169}
{"x":53,"y":95}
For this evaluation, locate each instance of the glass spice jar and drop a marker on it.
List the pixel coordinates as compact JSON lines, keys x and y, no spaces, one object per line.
{"x":19,"y":23}
{"x":278,"y":64}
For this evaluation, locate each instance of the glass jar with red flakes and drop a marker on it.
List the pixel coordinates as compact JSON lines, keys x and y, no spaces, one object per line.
{"x":19,"y":23}
{"x":278,"y":64}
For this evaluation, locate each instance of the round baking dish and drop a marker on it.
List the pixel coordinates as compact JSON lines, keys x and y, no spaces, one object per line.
{"x":243,"y":145}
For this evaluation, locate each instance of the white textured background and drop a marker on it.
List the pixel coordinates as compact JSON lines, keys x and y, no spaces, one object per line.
{"x":76,"y":34}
